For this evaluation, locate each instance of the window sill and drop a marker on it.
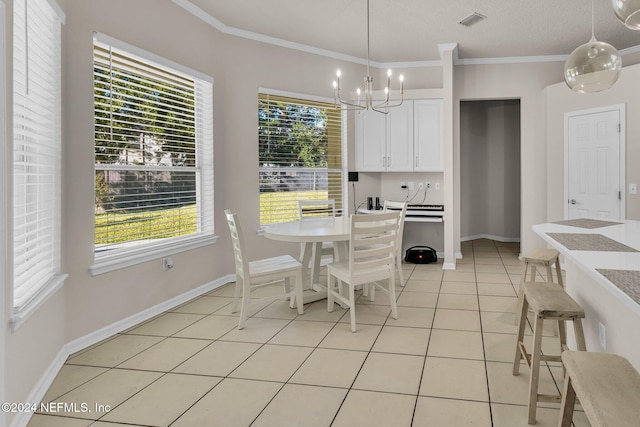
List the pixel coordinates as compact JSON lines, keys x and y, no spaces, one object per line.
{"x":23,"y":313}
{"x":126,"y":258}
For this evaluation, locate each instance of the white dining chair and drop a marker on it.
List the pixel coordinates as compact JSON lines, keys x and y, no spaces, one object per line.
{"x":316,"y":208}
{"x":389,"y":206}
{"x":254,"y":274}
{"x":372,"y":258}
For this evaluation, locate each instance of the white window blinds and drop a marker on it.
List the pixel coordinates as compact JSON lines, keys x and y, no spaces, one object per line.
{"x":300,"y":155}
{"x":153,"y":151}
{"x":36,"y":148}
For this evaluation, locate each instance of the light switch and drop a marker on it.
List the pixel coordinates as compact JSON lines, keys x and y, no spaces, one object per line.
{"x":633,"y":189}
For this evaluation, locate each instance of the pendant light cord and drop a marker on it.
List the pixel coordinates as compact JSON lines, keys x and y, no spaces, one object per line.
{"x":593,"y":36}
{"x":368,"y":37}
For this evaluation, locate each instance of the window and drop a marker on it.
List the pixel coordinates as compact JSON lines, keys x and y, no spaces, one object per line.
{"x":300,"y":155}
{"x":36,"y":153}
{"x":153,"y":124}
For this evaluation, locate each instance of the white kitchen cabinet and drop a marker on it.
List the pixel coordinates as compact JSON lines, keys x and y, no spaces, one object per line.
{"x":428,"y":135}
{"x":371,"y":139}
{"x":409,"y":138}
{"x":400,"y":138}
{"x":384,"y":142}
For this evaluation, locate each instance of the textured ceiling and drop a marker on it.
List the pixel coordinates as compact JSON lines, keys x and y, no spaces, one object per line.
{"x":410,"y":30}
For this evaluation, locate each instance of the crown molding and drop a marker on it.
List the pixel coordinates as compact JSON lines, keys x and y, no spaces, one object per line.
{"x":222,"y":27}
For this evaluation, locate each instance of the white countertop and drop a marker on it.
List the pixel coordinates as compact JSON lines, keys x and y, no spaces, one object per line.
{"x":627,"y":233}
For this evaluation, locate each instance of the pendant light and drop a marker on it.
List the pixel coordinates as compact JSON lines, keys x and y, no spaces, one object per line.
{"x":628,"y":12}
{"x":593,"y":66}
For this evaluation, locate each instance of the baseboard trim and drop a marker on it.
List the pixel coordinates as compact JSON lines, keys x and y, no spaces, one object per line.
{"x":449,"y":266}
{"x":124,"y":324}
{"x":491,"y":237}
{"x":41,"y":387}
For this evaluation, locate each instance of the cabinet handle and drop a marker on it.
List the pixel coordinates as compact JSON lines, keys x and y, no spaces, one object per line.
{"x":389,"y":161}
{"x":416,"y":161}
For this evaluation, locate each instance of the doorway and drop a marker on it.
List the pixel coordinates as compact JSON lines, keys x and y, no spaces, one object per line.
{"x":595,"y":163}
{"x":490,"y":170}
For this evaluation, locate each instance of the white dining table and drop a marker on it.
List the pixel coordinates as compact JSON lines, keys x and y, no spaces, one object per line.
{"x":312,"y":232}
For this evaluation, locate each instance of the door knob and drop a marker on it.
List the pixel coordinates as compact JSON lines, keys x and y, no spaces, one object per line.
{"x":573,"y":201}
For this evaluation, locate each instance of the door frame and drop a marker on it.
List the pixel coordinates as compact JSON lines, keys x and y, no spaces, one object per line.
{"x":621,"y":109}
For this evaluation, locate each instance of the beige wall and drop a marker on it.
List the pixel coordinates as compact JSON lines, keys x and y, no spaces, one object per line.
{"x":561,"y":100}
{"x":239,"y":67}
{"x":513,"y":81}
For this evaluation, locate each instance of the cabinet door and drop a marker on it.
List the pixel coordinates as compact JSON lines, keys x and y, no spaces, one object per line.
{"x":400,"y":138}
{"x":428,"y":135}
{"x":370,"y":141}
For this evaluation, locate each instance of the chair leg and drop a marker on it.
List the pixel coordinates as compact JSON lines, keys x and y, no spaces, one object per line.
{"x":568,"y":403}
{"x":392,"y":296}
{"x":237,"y":294}
{"x":399,"y":268}
{"x":329,"y":292}
{"x":290,"y":291}
{"x":579,"y":332}
{"x":523,"y":278}
{"x":244,"y":309}
{"x":522,"y":322}
{"x":298,"y":291}
{"x":534,"y":379}
{"x":559,"y":272}
{"x":549,"y":273}
{"x":352,"y":306}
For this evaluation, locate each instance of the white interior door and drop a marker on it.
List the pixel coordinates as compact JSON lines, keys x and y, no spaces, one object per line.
{"x":595,"y":164}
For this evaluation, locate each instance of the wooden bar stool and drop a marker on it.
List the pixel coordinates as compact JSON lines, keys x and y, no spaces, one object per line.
{"x":608,"y":388}
{"x":543,"y":258}
{"x":548,"y":302}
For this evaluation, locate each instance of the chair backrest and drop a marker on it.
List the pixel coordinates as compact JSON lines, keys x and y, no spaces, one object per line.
{"x":373,"y":241}
{"x":390,"y":206}
{"x":237,"y":241}
{"x":316,"y":208}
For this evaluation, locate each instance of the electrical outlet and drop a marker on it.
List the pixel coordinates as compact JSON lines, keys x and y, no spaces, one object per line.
{"x":437,"y":185}
{"x":602,"y":335}
{"x":428,"y":184}
{"x":403,"y":184}
{"x":633,"y":189}
{"x":420,"y":185}
{"x":167,"y":263}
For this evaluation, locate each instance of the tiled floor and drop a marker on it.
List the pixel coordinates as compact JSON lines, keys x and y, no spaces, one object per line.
{"x":446,"y":361}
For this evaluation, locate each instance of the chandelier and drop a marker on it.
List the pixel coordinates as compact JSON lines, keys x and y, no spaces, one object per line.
{"x":367,"y":103}
{"x":593,"y":66}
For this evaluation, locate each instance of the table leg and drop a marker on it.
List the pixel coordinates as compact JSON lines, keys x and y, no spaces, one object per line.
{"x":312,"y":253}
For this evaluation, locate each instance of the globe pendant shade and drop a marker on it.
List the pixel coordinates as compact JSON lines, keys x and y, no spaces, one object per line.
{"x":628,"y":12}
{"x":592,"y":67}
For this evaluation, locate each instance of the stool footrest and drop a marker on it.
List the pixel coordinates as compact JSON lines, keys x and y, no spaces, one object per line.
{"x":550,"y":358}
{"x":523,"y":352}
{"x":549,"y":398}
